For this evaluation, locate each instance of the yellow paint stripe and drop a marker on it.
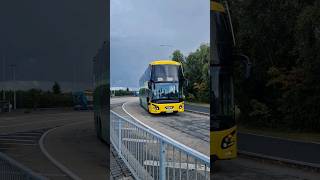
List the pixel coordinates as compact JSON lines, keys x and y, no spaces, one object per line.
{"x":165,"y":62}
{"x":215,"y":6}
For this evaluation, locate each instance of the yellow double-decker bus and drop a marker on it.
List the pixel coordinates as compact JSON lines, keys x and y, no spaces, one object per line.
{"x":161,"y":87}
{"x":223,"y":129}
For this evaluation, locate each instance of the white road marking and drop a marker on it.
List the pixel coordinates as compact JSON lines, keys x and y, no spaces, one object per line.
{"x":51,"y":158}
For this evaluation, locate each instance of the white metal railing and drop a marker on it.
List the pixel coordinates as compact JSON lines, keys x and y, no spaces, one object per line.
{"x":152,"y":155}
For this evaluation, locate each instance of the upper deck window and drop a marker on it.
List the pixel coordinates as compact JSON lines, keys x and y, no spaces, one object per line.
{"x":165,"y":73}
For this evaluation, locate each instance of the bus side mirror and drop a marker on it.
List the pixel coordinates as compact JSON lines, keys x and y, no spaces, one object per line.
{"x":246,"y":62}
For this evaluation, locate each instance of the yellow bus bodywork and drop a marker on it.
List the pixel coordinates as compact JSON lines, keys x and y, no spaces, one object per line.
{"x":155,"y":108}
{"x":165,"y":62}
{"x":216,"y":138}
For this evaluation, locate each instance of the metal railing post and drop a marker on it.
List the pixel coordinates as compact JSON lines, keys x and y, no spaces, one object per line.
{"x":120,"y":136}
{"x":162,"y":161}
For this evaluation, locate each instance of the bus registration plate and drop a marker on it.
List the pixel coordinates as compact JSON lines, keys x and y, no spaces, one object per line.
{"x":169,"y":109}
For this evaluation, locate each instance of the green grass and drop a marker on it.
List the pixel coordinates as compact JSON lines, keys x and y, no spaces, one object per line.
{"x":292,"y":135}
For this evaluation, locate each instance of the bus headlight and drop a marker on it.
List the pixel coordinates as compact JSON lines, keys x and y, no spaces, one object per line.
{"x":156,"y":107}
{"x":180,"y":107}
{"x":227,"y":140}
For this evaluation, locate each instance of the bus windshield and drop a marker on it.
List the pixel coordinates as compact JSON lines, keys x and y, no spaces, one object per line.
{"x":165,"y":73}
{"x":166,"y":91}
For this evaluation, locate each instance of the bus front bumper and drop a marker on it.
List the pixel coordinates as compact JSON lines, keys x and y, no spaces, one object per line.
{"x":166,"y":108}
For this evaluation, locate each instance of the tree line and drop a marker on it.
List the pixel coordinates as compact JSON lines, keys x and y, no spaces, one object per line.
{"x":282,"y":39}
{"x":37,"y":98}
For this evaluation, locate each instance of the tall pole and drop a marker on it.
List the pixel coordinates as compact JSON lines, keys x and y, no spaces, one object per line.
{"x":13,"y":66}
{"x":3,"y":78}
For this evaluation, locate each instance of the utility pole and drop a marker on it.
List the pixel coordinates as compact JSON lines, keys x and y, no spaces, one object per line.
{"x":3,"y":78}
{"x":13,"y":66}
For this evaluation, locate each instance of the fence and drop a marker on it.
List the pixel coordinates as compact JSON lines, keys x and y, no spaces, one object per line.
{"x":12,"y":170}
{"x":152,"y":155}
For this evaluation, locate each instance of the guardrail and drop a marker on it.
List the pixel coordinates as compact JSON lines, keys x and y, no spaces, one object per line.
{"x":12,"y":170}
{"x":152,"y":155}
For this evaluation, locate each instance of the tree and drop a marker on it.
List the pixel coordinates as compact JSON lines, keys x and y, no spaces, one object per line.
{"x":56,"y":88}
{"x":177,"y":56}
{"x":282,"y":39}
{"x":196,"y":71}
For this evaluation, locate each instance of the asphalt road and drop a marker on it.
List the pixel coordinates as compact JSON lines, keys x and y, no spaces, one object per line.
{"x":275,"y":147}
{"x":71,"y":142}
{"x":241,"y":168}
{"x":251,"y":169}
{"x":188,"y":128}
{"x":74,"y":144}
{"x":192,"y":107}
{"x":78,"y":149}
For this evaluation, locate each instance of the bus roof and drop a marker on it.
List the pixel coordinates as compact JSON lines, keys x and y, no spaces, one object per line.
{"x":165,"y":62}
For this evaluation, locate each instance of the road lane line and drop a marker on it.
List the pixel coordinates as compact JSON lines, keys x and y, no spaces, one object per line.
{"x":51,"y":158}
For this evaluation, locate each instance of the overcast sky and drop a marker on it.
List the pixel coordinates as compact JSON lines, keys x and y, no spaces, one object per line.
{"x":139,"y":27}
{"x":49,"y":40}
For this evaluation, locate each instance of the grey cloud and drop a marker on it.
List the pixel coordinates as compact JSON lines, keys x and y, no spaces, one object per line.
{"x":139,"y":27}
